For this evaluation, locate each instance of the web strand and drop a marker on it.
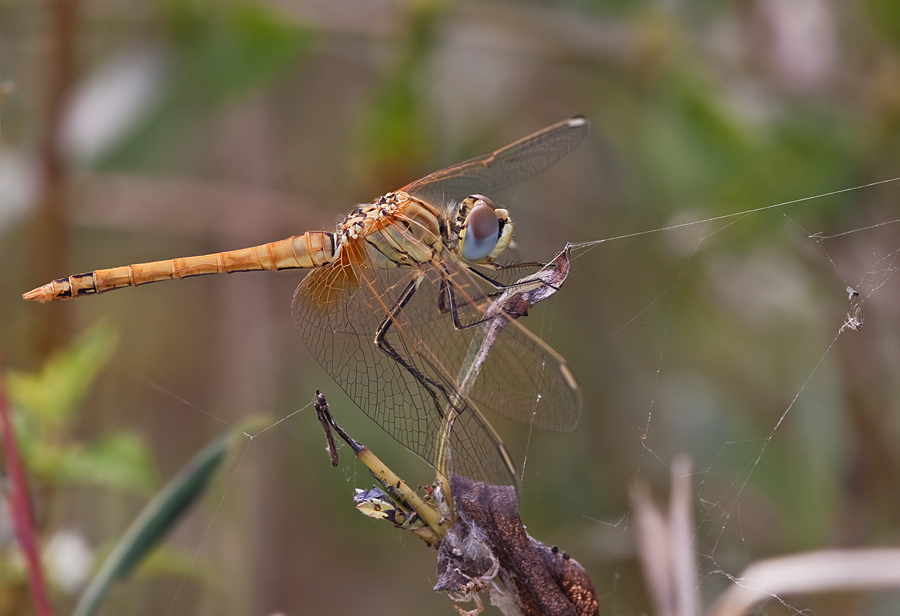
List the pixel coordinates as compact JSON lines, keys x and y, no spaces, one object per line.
{"x":725,"y":511}
{"x":744,"y":213}
{"x":718,"y":514}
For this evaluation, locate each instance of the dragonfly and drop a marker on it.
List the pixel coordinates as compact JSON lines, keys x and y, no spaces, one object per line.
{"x":393,"y":302}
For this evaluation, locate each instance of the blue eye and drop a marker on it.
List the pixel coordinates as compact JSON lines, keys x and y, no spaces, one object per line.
{"x":482,"y":231}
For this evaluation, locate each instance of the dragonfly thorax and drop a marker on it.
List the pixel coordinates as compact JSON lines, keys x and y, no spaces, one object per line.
{"x":397,"y":230}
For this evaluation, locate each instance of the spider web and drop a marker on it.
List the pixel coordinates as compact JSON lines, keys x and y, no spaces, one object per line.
{"x":724,"y":540}
{"x":676,"y":405}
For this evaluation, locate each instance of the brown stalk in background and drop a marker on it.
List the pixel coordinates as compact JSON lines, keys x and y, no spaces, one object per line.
{"x":49,"y":242}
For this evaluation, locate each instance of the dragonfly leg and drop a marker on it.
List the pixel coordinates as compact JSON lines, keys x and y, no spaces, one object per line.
{"x":447,"y":301}
{"x":381,"y":341}
{"x":501,"y":286}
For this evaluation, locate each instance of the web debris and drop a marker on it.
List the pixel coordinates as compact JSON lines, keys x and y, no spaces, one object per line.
{"x":854,"y":319}
{"x":719,"y":511}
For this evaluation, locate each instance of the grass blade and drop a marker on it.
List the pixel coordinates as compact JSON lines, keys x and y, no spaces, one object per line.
{"x":157,"y":518}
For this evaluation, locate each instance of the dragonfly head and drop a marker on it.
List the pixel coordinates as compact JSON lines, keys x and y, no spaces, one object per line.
{"x":484,"y":231}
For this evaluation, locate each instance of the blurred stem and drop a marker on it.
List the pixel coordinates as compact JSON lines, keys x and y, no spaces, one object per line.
{"x":20,"y":504}
{"x":49,"y":245}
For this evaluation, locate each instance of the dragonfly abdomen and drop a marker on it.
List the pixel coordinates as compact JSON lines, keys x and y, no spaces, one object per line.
{"x":311,"y":249}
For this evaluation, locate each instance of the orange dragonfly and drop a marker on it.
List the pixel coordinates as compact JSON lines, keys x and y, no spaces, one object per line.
{"x":391,"y":304}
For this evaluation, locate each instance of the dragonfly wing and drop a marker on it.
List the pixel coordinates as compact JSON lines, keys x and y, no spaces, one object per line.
{"x":338,"y":309}
{"x":509,"y":165}
{"x":522,"y":378}
{"x":526,"y":381}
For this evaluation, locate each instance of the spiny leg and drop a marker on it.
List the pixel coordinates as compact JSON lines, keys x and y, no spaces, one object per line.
{"x":427,"y":383}
{"x":501,"y":286}
{"x":448,"y":303}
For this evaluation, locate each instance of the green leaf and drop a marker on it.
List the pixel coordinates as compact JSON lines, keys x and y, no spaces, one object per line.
{"x":54,"y":393}
{"x":157,"y":518}
{"x":120,"y":460}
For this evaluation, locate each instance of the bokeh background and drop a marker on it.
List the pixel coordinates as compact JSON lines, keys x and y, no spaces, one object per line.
{"x":136,"y":131}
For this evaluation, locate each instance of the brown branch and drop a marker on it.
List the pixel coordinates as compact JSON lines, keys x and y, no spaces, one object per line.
{"x":49,"y":245}
{"x":488,"y":548}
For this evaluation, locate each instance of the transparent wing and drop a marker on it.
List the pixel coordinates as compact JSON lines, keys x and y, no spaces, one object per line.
{"x":338,"y":310}
{"x":408,"y":383}
{"x":523,"y":379}
{"x":509,"y":165}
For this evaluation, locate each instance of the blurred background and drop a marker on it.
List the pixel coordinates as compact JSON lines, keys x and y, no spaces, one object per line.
{"x":133,"y":131}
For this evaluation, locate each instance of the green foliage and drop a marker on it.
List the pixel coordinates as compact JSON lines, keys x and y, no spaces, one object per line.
{"x":154,"y":522}
{"x":119,"y":460}
{"x":603,"y":7}
{"x":54,"y":393}
{"x":394,"y":129}
{"x":231,"y":52}
{"x":222,"y":52}
{"x":689,"y":142}
{"x":47,"y":404}
{"x":886,"y":19}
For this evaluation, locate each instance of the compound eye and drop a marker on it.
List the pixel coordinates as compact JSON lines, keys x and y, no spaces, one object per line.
{"x":482,"y":229}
